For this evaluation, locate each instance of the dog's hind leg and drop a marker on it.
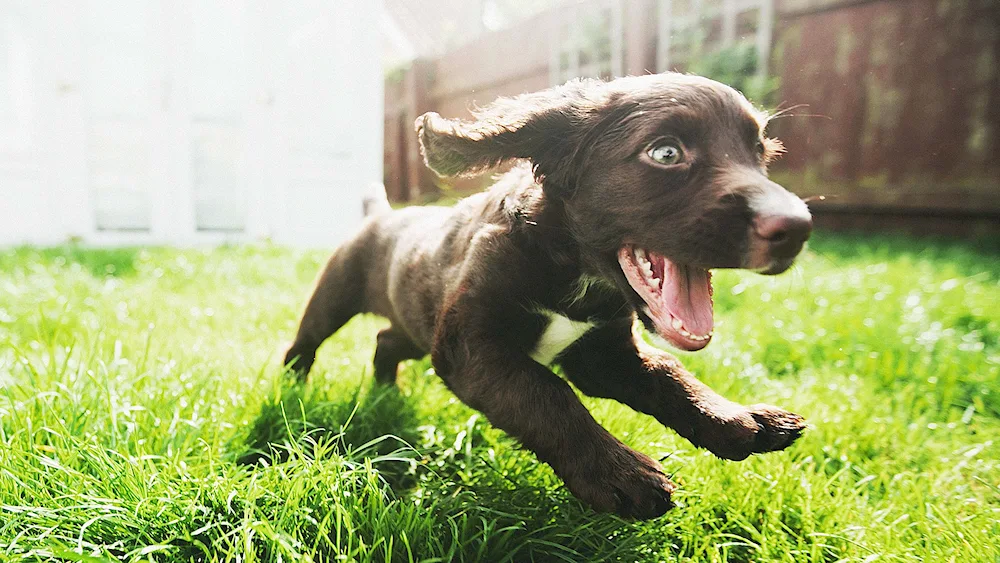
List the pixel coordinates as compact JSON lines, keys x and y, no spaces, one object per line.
{"x":393,"y":347}
{"x":338,"y":296}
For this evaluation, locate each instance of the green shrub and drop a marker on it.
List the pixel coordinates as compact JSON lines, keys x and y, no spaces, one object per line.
{"x":738,"y":67}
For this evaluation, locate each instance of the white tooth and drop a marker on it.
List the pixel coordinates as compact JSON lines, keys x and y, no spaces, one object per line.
{"x":677,"y":324}
{"x":640,"y":255}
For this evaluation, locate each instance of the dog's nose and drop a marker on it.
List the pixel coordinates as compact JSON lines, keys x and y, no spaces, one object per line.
{"x":785,"y":233}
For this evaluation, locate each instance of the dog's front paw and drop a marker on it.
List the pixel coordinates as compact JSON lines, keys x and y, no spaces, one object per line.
{"x":778,"y":428}
{"x":625,"y":482}
{"x":753,"y":430}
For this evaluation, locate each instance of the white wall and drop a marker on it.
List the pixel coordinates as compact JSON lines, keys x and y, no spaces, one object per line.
{"x":187,"y":121}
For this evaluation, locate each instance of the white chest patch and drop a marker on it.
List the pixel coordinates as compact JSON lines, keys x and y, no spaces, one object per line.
{"x":558,"y":335}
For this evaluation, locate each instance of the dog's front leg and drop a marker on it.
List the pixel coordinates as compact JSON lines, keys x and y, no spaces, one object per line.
{"x":538,"y":408}
{"x":613,"y":362}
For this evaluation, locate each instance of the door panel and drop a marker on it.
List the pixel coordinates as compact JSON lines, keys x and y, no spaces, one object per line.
{"x":217,"y":172}
{"x":218,"y":105}
{"x":123,"y":80}
{"x":319,"y":104}
{"x":119,"y":164}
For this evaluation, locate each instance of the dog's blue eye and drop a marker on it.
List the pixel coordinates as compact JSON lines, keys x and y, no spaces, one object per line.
{"x":665,"y":154}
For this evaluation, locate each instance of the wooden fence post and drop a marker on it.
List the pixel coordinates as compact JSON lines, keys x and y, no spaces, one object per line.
{"x":417,"y":91}
{"x":765,"y":33}
{"x":639,"y":27}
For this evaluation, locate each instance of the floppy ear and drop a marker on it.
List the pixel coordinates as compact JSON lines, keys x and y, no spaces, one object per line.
{"x":538,"y":126}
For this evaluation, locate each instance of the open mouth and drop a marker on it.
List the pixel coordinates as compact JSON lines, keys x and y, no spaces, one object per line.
{"x":678,"y":298}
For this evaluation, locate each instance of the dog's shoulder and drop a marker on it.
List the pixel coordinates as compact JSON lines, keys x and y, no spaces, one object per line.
{"x":515,"y":211}
{"x":512,"y":201}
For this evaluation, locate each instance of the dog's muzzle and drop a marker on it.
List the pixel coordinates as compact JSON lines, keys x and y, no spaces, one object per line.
{"x":779,"y":228}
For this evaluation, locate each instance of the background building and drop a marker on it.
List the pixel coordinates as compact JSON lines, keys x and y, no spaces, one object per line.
{"x":162,"y":121}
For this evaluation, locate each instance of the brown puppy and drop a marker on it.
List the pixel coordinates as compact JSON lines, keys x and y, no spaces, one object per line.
{"x":638,"y":187}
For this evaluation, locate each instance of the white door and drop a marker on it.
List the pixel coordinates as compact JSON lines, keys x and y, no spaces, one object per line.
{"x":165,"y":85}
{"x":126,"y":88}
{"x":329,"y":107}
{"x":217,"y":86}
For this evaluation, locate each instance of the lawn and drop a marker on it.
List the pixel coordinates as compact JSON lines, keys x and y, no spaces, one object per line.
{"x":144,"y":416}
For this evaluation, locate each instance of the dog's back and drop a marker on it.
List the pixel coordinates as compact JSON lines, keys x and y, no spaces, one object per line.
{"x":398,"y":266}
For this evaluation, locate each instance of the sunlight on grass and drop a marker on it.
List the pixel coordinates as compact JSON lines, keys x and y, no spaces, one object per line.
{"x":143,"y":416}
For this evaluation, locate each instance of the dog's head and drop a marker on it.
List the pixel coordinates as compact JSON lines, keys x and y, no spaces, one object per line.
{"x":663,"y":177}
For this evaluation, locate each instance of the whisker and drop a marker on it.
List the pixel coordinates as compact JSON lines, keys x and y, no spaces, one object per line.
{"x":783,"y":111}
{"x":798,"y":115}
{"x":829,"y":261}
{"x":796,"y":276}
{"x":813,"y":198}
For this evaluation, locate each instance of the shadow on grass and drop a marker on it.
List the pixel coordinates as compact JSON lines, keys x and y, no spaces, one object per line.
{"x":494,"y":520}
{"x":456,"y":499}
{"x":470,"y":494}
{"x":376,"y":423}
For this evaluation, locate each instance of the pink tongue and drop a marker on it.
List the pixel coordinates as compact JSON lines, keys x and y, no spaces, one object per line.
{"x":687,"y":295}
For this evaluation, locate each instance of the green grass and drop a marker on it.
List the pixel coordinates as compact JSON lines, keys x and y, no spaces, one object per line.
{"x":143,"y":416}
